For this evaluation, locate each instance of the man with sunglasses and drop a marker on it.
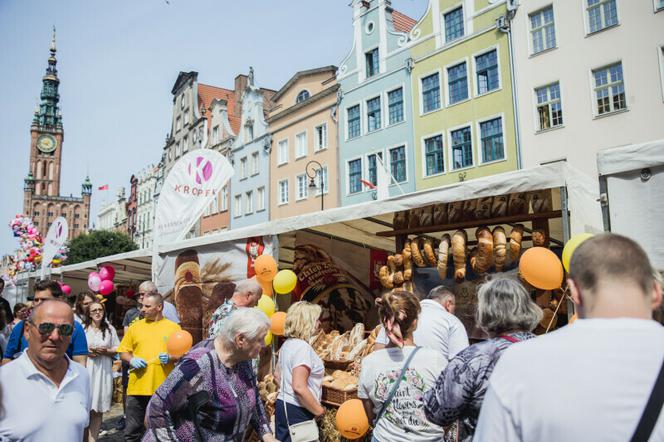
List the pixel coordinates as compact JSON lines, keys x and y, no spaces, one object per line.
{"x":45,"y":396}
{"x":78,"y":345}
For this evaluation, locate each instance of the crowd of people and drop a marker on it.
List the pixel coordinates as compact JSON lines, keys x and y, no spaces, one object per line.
{"x":424,"y":381}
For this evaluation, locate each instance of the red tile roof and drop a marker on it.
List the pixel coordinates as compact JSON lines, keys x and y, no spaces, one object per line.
{"x":207,"y":93}
{"x":402,"y":23}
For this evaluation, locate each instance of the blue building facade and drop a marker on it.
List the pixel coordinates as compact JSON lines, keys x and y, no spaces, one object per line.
{"x":375,"y":111}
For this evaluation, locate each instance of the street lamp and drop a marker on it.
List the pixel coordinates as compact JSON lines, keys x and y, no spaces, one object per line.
{"x":311,"y":170}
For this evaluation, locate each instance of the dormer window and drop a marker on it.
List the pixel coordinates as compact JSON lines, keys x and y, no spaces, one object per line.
{"x":303,"y":95}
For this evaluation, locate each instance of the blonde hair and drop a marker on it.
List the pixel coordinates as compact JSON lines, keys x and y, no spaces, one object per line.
{"x":301,"y":320}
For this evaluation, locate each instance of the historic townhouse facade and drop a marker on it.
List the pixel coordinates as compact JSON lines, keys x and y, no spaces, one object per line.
{"x":590,"y":76}
{"x":375,"y":116}
{"x":303,"y":125}
{"x":146,"y":205}
{"x":464,"y":125}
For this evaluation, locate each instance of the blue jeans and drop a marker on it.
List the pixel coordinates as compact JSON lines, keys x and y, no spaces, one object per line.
{"x":295,"y":416}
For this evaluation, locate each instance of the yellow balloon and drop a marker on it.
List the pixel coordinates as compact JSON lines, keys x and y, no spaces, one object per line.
{"x":268,"y":338}
{"x":284,"y":282}
{"x":571,"y":245}
{"x":266,"y":305}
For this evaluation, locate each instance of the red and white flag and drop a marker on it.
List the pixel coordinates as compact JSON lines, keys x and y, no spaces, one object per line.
{"x":104,"y":187}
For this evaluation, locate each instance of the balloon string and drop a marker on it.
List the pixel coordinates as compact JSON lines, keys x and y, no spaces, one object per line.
{"x":555,"y":313}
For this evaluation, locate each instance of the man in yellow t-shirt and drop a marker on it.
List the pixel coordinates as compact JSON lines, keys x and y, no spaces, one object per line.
{"x":144,"y":349}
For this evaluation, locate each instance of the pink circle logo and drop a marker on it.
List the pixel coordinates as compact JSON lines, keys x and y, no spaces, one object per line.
{"x":201,"y":171}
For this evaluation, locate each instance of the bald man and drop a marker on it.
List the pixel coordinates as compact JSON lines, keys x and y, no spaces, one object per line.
{"x":45,"y":396}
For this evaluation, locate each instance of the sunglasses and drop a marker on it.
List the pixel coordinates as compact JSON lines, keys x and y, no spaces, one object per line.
{"x":46,"y":328}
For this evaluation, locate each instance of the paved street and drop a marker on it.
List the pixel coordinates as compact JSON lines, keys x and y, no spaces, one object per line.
{"x":110,"y":420}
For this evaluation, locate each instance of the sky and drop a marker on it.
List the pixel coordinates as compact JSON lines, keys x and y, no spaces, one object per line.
{"x":117,"y":63}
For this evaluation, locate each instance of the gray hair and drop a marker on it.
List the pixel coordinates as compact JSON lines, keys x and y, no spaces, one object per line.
{"x":245,"y":321}
{"x":440,"y":293}
{"x":148,"y":287}
{"x":504,"y":305}
{"x":248,"y":285}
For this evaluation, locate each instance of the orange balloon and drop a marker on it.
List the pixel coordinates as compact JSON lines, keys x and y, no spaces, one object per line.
{"x":352,"y":420}
{"x":179,"y":343}
{"x":278,"y":323}
{"x":266,"y":286}
{"x":541,"y":268}
{"x":265,"y":267}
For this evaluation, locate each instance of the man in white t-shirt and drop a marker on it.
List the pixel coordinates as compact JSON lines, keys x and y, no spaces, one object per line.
{"x":45,"y":396}
{"x":588,"y":381}
{"x":437,"y":327}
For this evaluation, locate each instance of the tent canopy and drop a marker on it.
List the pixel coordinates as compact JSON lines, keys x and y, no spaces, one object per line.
{"x":632,"y":157}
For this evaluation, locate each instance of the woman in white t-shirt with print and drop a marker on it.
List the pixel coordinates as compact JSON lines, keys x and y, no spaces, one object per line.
{"x":403,"y":418}
{"x":300,"y":369}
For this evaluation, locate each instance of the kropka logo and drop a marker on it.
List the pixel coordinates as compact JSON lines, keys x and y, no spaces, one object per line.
{"x":58,"y":230}
{"x":201,"y":171}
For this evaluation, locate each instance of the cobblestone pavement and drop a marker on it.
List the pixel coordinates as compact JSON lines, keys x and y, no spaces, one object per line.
{"x":110,"y":421}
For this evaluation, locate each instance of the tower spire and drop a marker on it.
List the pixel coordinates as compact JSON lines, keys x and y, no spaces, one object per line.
{"x":49,"y":112}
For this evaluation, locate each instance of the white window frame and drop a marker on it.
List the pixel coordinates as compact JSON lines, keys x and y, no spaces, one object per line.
{"x":423,"y":148}
{"x":347,"y":174}
{"x":280,"y":158}
{"x":301,"y":153}
{"x":656,"y":5}
{"x":215,"y":134}
{"x":443,"y":28}
{"x":366,"y":112}
{"x":282,"y":202}
{"x":365,"y":165}
{"x":359,"y":104}
{"x":317,"y":146}
{"x":660,"y":57}
{"x":586,"y":18}
{"x":260,"y":199}
{"x":243,"y":168}
{"x":185,"y":144}
{"x":536,"y":125}
{"x":386,"y":102}
{"x":479,"y":138}
{"x":237,"y":206}
{"x":473,"y":143}
{"x":440,"y":91}
{"x":474,"y":66}
{"x":249,"y":202}
{"x":447,"y":82}
{"x":364,"y":61}
{"x":255,"y":164}
{"x":326,"y":181}
{"x":224,"y":198}
{"x":298,"y":179}
{"x":178,"y":124}
{"x":387,"y":160}
{"x":593,"y":96}
{"x":531,"y":45}
{"x":185,"y":118}
{"x":182,"y":99}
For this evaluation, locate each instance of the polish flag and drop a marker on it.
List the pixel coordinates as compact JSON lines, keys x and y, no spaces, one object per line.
{"x":104,"y":187}
{"x":367,"y":183}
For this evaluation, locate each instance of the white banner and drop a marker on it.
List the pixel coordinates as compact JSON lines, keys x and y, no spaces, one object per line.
{"x":188,"y":190}
{"x":55,"y":239}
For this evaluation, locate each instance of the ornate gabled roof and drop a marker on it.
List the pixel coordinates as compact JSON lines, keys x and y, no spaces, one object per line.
{"x":402,"y":23}
{"x":299,"y":75}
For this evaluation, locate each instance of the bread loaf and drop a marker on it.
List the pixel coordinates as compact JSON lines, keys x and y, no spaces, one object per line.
{"x":397,"y":278}
{"x":439,"y":214}
{"x":384,"y":277}
{"x":443,"y":254}
{"x":518,"y":204}
{"x":459,"y":240}
{"x":499,"y":247}
{"x":499,"y":206}
{"x":400,"y":220}
{"x":414,"y":218}
{"x":539,"y":238}
{"x":469,"y":208}
{"x":483,"y":210}
{"x":516,"y":235}
{"x":356,"y":334}
{"x":429,"y":254}
{"x":417,"y":255}
{"x":541,"y":201}
{"x":426,"y":216}
{"x":455,"y":211}
{"x":407,"y":262}
{"x":472,"y":257}
{"x":484,"y":250}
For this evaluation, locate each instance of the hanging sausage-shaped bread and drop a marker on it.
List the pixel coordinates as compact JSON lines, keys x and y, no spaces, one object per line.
{"x":417,"y":255}
{"x":516,"y":235}
{"x":484,"y":250}
{"x":384,"y":277}
{"x":443,"y":251}
{"x":407,"y":262}
{"x":428,"y":253}
{"x":459,"y":240}
{"x":499,"y":248}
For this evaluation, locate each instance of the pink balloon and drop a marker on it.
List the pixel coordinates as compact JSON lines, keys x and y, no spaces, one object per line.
{"x":66,"y":289}
{"x":106,"y":287}
{"x":107,"y":273}
{"x":94,"y":281}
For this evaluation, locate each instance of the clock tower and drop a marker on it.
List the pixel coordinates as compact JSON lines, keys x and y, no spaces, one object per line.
{"x":41,"y":192}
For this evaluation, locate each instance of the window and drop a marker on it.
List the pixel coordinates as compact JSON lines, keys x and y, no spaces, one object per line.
{"x":224,"y":198}
{"x":398,"y":163}
{"x":282,"y":153}
{"x":486,"y":66}
{"x":186,"y":118}
{"x":601,"y":14}
{"x":430,"y":93}
{"x":249,"y":202}
{"x":549,"y":109}
{"x":301,"y":190}
{"x":371,"y":59}
{"x":433,"y":153}
{"x":317,"y":180}
{"x":182,"y":101}
{"x":353,"y":121}
{"x":321,"y":137}
{"x":177,"y":149}
{"x":185,"y":144}
{"x":243,"y":168}
{"x":260,"y":199}
{"x":395,"y":106}
{"x":372,"y":167}
{"x":491,"y":136}
{"x":303,"y":95}
{"x":609,"y":89}
{"x":542,"y":31}
{"x":255,"y":163}
{"x":283,"y":192}
{"x":249,"y":133}
{"x":462,"y":148}
{"x":35,"y":213}
{"x":354,"y":176}
{"x":238,"y":206}
{"x":453,"y":25}
{"x":659,"y":5}
{"x":373,"y":114}
{"x":215,"y":134}
{"x":301,"y":145}
{"x":457,"y":83}
{"x":178,"y":124}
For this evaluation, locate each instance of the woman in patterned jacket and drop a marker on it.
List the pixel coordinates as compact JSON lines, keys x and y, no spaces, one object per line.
{"x":506,"y":312}
{"x":212,"y":395}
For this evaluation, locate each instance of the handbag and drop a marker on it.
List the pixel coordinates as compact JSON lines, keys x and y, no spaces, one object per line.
{"x":306,"y":431}
{"x":394,"y":387}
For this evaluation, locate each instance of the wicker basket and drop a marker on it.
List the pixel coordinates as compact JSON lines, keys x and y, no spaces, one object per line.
{"x":335,"y":397}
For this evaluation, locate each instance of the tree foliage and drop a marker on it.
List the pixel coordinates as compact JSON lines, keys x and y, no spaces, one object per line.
{"x":97,"y":244}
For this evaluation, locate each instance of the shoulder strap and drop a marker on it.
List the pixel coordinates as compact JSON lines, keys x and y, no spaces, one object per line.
{"x":651,"y":412}
{"x":20,"y":336}
{"x":395,"y":386}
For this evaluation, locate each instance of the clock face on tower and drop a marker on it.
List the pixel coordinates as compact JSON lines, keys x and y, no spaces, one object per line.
{"x":46,"y":143}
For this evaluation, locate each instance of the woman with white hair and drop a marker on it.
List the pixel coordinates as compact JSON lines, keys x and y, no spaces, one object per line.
{"x":212,"y":393}
{"x":506,"y":312}
{"x":301,"y":372}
